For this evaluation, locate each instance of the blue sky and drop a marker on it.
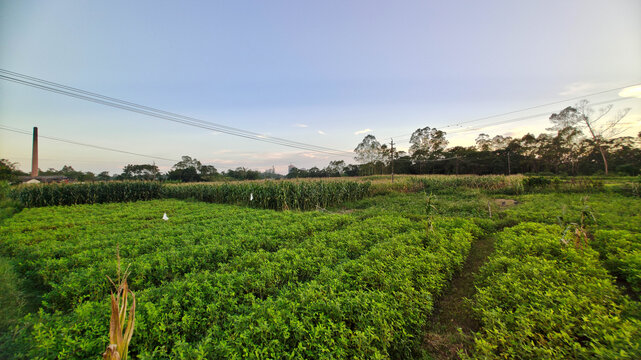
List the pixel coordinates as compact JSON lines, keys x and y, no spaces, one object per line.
{"x":314,"y":72}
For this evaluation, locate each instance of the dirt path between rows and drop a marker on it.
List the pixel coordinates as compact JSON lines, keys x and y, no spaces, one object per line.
{"x":451,"y":326}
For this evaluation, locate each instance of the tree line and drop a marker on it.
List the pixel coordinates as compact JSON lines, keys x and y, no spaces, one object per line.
{"x":581,"y":141}
{"x":187,"y":170}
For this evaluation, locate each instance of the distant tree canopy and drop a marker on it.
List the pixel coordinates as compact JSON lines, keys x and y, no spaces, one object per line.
{"x":580,"y":141}
{"x":241,"y":173}
{"x":141,"y":172}
{"x":191,"y":170}
{"x":9,"y":171}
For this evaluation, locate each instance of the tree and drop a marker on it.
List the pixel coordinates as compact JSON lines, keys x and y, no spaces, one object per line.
{"x":368,"y":151}
{"x":208,"y":172}
{"x":483,"y":142}
{"x":140,"y":172}
{"x":427,"y":144}
{"x":582,"y":115}
{"x":9,"y":171}
{"x":103,"y":176}
{"x":335,"y":168}
{"x":242,"y":173}
{"x":186,"y":170}
{"x":187,"y":162}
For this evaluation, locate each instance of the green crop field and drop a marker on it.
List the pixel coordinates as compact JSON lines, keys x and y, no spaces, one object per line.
{"x":334,"y":270}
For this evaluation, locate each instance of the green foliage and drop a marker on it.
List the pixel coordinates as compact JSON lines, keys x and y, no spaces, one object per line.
{"x":539,"y":298}
{"x":281,"y":195}
{"x":501,"y":183}
{"x":8,"y":206}
{"x":285,"y":195}
{"x":220,"y":281}
{"x":12,"y":299}
{"x":620,"y":251}
{"x":533,"y":182}
{"x":85,"y":193}
{"x":568,"y":185}
{"x":611,"y":210}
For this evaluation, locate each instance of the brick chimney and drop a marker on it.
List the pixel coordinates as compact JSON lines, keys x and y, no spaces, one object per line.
{"x":34,"y":154}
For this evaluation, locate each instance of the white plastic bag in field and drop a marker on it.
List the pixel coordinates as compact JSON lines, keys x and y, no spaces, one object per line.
{"x":164,"y":217}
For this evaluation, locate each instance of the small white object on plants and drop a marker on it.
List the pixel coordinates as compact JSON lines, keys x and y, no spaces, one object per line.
{"x":164,"y":217}
{"x":251,"y":197}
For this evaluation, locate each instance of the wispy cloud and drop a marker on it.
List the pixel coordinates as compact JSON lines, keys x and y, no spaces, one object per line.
{"x":632,"y":91}
{"x":321,"y":132}
{"x":222,"y":151}
{"x":577,"y":88}
{"x":364,"y":131}
{"x":300,"y":125}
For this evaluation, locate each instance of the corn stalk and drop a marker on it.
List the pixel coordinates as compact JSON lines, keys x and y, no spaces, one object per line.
{"x":121,"y":324}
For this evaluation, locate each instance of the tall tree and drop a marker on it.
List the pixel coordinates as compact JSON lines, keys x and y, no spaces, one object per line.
{"x":368,"y":151}
{"x":186,"y":170}
{"x":427,"y":144}
{"x":483,"y":142}
{"x":585,"y":116}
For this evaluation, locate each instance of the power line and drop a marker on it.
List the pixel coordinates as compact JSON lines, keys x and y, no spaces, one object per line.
{"x":457,"y":131}
{"x":161,"y":116}
{"x":145,"y":110}
{"x":26,"y":132}
{"x":530,"y":108}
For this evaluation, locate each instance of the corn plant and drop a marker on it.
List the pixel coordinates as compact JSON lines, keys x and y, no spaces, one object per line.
{"x":430,"y":209}
{"x":578,"y":229}
{"x":121,"y":324}
{"x":284,"y":195}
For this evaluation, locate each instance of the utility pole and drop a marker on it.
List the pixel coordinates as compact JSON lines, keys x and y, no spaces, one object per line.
{"x":34,"y":153}
{"x":508,"y":162}
{"x":392,"y":153}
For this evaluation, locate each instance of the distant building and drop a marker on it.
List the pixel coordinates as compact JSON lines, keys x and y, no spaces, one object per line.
{"x":44,"y":179}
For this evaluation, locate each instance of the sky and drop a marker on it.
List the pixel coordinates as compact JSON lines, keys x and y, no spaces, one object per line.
{"x":323,"y":73}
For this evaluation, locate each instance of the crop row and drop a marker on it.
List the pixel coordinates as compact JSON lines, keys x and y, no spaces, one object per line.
{"x":539,"y":297}
{"x":282,"y":195}
{"x":219,"y":281}
{"x":85,"y":193}
{"x":267,"y":195}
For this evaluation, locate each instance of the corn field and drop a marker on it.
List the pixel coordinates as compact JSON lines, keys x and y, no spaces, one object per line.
{"x":306,"y":195}
{"x":85,"y":193}
{"x":283,"y":195}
